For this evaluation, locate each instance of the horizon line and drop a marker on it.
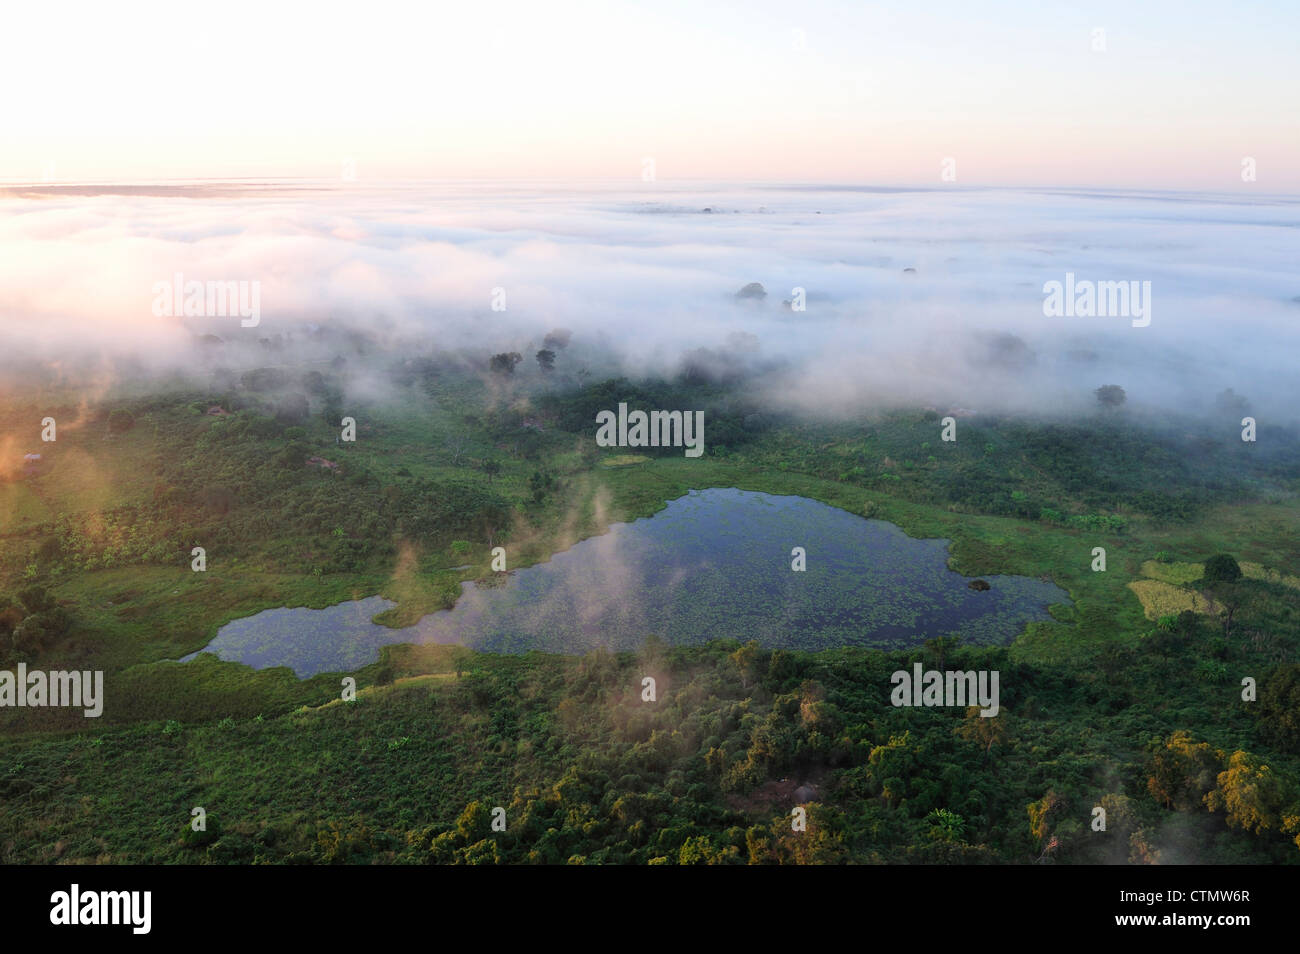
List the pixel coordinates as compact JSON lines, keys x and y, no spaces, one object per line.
{"x":632,"y":184}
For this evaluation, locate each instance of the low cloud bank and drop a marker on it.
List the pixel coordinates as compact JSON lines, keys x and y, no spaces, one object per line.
{"x":909,"y":297}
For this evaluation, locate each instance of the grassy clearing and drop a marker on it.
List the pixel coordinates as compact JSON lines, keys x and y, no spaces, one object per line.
{"x":1164,"y":599}
{"x":1254,"y":571}
{"x":1173,"y":573}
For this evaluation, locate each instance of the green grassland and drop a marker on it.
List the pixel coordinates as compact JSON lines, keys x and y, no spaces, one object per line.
{"x":459,"y":462}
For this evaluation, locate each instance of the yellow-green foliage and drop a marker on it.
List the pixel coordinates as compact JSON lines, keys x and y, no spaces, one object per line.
{"x":1255,"y":571}
{"x":1181,"y":573}
{"x":1163,"y":599}
{"x":1175,"y":573}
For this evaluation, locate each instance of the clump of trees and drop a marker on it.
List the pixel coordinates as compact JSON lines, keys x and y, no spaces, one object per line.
{"x":1110,"y":396}
{"x":1221,"y":579}
{"x":1009,"y":352}
{"x":31,"y":622}
{"x":505,"y":362}
{"x":541,"y":483}
{"x":1220,"y":568}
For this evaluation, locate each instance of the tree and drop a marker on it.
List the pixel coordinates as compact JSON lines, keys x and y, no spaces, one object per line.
{"x":293,"y":455}
{"x":1110,"y":395}
{"x":1221,"y":579}
{"x":39,"y":629}
{"x":745,"y":658}
{"x":1220,"y":568}
{"x":1009,"y":351}
{"x":120,"y":421}
{"x":546,"y":360}
{"x":824,"y":843}
{"x":1249,"y":792}
{"x":35,"y":599}
{"x":700,"y":850}
{"x":1278,"y":708}
{"x":982,"y":730}
{"x":29,"y":635}
{"x":1181,"y":772}
{"x":505,"y":362}
{"x":946,"y":825}
{"x":938,"y":648}
{"x":491,"y":468}
{"x":1043,"y":813}
{"x":540,"y":483}
{"x":1233,"y":598}
{"x":456,"y":446}
{"x":10,"y":616}
{"x":461,"y":657}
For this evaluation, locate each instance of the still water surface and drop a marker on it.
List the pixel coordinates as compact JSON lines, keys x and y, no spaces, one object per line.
{"x":715,"y":563}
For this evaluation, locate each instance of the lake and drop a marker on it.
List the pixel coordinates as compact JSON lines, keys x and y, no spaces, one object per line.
{"x":714,"y":563}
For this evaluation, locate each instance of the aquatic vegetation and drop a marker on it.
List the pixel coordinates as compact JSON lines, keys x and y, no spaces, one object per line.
{"x":713,"y":564}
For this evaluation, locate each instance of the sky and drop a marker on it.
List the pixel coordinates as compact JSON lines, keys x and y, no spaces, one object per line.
{"x":1161,"y":95}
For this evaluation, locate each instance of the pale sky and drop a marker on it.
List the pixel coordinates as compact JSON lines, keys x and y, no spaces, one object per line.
{"x":1014,"y":93}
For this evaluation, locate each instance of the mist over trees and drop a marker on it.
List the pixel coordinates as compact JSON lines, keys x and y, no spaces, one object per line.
{"x":1110,"y":396}
{"x":505,"y":362}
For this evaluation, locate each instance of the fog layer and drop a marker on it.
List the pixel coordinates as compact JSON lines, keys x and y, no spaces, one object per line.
{"x":910,"y":297}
